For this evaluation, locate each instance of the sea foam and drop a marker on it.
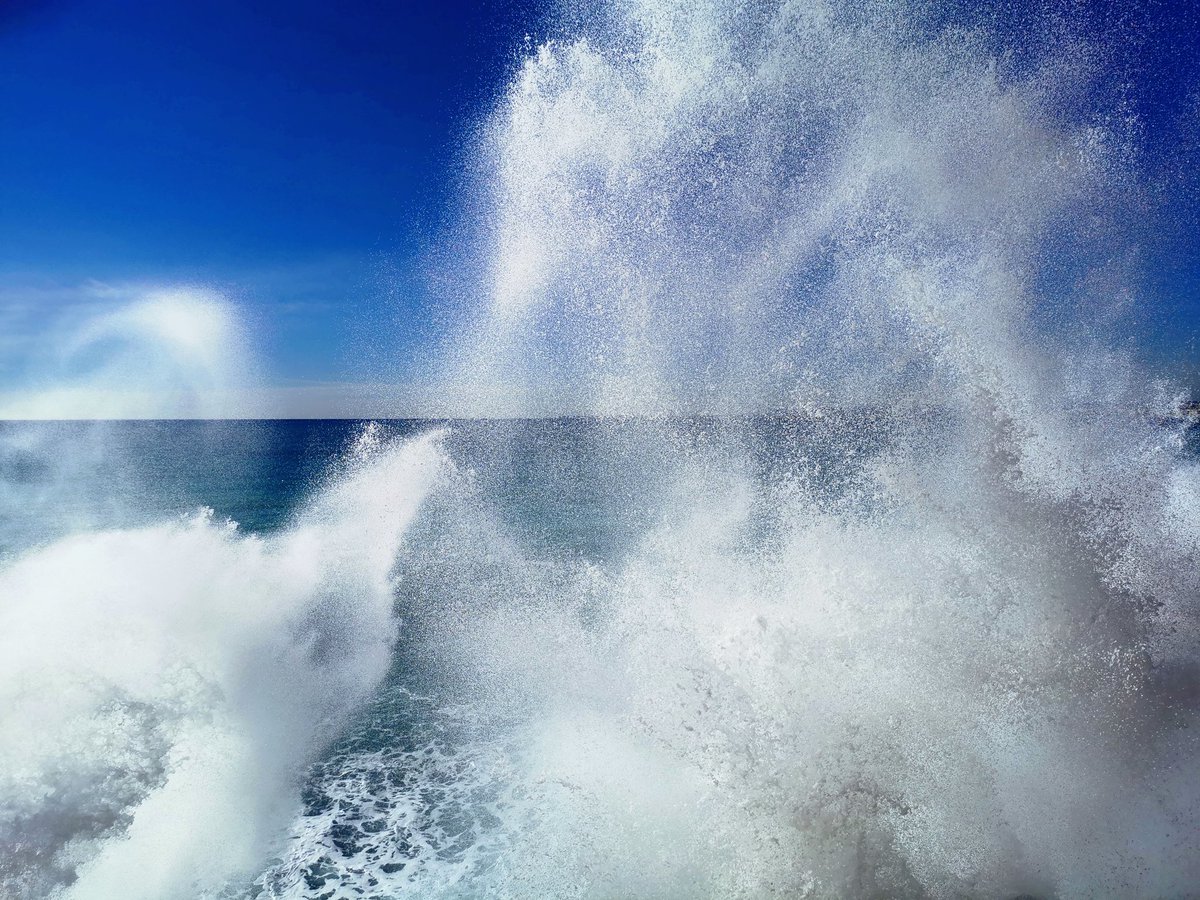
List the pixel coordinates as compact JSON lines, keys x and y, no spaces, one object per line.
{"x":163,"y":687}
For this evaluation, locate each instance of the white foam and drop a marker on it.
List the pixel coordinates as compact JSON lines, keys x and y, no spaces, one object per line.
{"x":939,"y":684}
{"x":162,"y":686}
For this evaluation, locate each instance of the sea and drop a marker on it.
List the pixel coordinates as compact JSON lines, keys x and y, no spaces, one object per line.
{"x":564,"y":657}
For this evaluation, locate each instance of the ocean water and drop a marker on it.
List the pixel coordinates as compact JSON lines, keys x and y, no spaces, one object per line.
{"x":390,"y":799}
{"x":865,"y":561}
{"x":565,"y":677}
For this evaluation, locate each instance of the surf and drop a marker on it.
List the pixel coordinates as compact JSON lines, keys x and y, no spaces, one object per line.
{"x":164,"y":686}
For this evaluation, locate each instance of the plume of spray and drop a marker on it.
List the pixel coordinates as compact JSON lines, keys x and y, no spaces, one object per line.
{"x":969,"y":671}
{"x":754,"y":206}
{"x":152,"y":353}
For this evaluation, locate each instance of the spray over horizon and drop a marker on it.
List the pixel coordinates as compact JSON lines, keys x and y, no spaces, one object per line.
{"x":872,"y":570}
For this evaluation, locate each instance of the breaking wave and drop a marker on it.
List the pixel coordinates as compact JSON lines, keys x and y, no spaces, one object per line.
{"x":164,"y":687}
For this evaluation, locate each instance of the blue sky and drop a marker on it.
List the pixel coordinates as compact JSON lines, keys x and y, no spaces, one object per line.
{"x":305,"y":161}
{"x":300,"y":158}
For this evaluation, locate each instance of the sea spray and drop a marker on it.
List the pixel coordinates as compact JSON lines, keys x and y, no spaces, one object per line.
{"x":163,"y":686}
{"x":967,"y":665}
{"x":894,"y":674}
{"x":140,"y":352}
{"x":738,"y":208}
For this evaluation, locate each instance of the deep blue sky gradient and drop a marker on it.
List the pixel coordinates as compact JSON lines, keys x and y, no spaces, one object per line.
{"x":306,"y":155}
{"x":301,"y":153}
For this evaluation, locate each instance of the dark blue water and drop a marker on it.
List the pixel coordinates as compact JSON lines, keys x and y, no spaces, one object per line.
{"x":118,"y":474}
{"x":576,"y":486}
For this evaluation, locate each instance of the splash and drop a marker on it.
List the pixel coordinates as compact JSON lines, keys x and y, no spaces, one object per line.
{"x":903,"y":677}
{"x":960,"y":661}
{"x":737,"y":208}
{"x":162,"y":687}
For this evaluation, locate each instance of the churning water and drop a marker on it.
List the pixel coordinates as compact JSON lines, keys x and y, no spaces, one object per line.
{"x":865,"y":566}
